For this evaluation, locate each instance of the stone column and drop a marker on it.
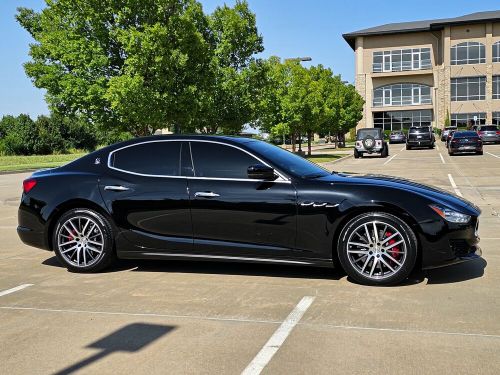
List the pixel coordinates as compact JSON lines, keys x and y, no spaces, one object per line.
{"x":489,"y":73}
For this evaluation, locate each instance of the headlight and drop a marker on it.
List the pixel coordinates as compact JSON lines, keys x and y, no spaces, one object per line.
{"x":450,"y":215}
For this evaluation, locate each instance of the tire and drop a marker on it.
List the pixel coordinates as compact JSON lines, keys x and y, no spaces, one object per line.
{"x":479,"y":152}
{"x":408,"y":147}
{"x":450,"y":153}
{"x":385,"y":151}
{"x":81,"y":234}
{"x":356,"y":154}
{"x":369,"y":269}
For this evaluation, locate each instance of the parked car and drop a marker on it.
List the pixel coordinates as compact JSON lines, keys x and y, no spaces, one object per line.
{"x":397,"y":137}
{"x":420,"y":136}
{"x":465,"y":141}
{"x":370,"y":141}
{"x":243,"y":200}
{"x":448,"y":138}
{"x":489,"y":133}
{"x":445,"y":132}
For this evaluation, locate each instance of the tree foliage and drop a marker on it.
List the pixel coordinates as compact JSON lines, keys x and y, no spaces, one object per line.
{"x":142,"y":65}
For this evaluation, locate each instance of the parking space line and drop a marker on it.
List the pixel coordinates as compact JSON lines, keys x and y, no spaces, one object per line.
{"x":392,"y":157}
{"x":495,"y":156}
{"x":437,"y":147}
{"x":402,"y":149}
{"x":16,"y":289}
{"x":454,"y":185}
{"x":442,"y":159}
{"x":278,"y":338}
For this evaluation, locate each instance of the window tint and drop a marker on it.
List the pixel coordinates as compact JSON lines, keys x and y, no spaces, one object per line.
{"x":151,"y":158}
{"x":465,"y":135}
{"x":221,"y":161}
{"x":488,"y":128}
{"x":362,"y":134}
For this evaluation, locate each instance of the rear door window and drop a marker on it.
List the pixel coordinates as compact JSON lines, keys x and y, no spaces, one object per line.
{"x":488,"y":128}
{"x":215,"y":160}
{"x":160,"y":158}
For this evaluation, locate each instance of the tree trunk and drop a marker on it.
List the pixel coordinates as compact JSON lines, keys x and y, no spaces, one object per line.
{"x":293,"y":142}
{"x":300,"y":142}
{"x":309,"y":136}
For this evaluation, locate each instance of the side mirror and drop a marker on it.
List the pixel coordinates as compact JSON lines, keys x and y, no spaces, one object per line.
{"x":261,"y":172}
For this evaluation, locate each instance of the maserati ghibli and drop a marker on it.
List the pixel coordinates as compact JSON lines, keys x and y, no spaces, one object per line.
{"x":236,"y":199}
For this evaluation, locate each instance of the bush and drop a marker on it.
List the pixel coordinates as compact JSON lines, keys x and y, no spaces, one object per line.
{"x":19,"y":135}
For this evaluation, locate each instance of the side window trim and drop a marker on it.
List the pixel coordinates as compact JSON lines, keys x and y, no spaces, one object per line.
{"x":281,"y":176}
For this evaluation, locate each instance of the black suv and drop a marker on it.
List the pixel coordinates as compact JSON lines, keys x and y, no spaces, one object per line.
{"x":420,"y":136}
{"x":370,"y":141}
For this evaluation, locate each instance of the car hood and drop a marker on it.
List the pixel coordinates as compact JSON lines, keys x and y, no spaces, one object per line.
{"x":435,"y":194}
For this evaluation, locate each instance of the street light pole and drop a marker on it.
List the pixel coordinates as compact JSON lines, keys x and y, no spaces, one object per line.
{"x":299,"y":59}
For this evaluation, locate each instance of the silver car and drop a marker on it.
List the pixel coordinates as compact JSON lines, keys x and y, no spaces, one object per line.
{"x":489,"y":133}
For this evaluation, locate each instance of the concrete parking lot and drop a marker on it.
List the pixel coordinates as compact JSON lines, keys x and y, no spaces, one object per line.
{"x":207,"y":318}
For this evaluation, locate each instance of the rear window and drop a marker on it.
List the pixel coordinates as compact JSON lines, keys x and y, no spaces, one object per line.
{"x":362,"y":134}
{"x":419,"y":130}
{"x":151,"y":158}
{"x":488,"y":128}
{"x":465,"y":135}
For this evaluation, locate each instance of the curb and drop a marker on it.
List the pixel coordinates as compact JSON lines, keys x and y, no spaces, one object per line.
{"x":340,"y":159}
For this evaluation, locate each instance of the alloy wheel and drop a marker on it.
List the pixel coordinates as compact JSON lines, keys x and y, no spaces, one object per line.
{"x":80,"y":241}
{"x":376,"y":250}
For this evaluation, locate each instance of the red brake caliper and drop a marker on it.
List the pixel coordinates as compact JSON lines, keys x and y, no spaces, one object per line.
{"x":395,"y":252}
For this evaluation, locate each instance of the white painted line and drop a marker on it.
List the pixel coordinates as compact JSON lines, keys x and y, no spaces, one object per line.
{"x":454,"y":185}
{"x":442,"y":159}
{"x":495,"y":156}
{"x":16,"y":289}
{"x":404,"y":147}
{"x":388,"y":160}
{"x":437,"y":147}
{"x":278,"y":338}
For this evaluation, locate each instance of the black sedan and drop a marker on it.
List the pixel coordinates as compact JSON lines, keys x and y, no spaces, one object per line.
{"x":465,"y":141}
{"x":237,"y":199}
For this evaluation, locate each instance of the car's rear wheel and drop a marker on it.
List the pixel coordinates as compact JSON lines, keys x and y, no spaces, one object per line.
{"x":385,"y":151}
{"x":479,"y":152}
{"x":83,"y":241}
{"x":408,"y":147}
{"x":377,"y":248}
{"x":356,"y":154}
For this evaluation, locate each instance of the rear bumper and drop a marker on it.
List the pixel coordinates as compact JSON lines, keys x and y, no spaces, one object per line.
{"x":493,"y":138}
{"x":472,"y":149}
{"x":32,"y":238}
{"x":416,"y":143}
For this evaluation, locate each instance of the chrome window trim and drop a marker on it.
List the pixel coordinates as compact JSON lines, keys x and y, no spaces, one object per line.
{"x":281,"y":177}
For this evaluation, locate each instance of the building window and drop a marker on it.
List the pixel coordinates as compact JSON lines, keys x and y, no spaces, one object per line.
{"x":468,"y":88}
{"x":463,"y":120}
{"x":400,"y":120}
{"x":496,"y":87}
{"x":496,"y":118}
{"x":496,"y":52}
{"x":402,"y":60}
{"x":468,"y":53}
{"x":402,"y":94}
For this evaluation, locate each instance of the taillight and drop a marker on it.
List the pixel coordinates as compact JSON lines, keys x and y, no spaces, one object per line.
{"x":498,"y":131}
{"x":28,"y":185}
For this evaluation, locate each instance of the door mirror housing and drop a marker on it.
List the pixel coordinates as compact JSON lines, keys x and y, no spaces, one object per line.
{"x":261,"y":172}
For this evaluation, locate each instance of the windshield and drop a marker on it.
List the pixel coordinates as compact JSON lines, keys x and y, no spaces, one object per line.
{"x":288,"y":162}
{"x":362,"y":134}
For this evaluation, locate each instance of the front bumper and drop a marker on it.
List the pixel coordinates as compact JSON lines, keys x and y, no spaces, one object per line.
{"x":449,"y":243}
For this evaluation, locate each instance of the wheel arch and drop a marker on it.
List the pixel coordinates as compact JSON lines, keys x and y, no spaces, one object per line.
{"x":382,"y":207}
{"x":69,"y":205}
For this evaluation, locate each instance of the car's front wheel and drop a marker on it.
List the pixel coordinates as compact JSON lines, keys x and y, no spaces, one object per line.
{"x":83,"y":241}
{"x":377,"y":248}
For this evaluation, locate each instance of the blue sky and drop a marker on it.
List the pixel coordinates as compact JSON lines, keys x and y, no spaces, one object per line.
{"x":290,"y":28}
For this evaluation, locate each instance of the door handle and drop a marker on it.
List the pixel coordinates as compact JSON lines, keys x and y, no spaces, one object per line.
{"x":206,"y":194}
{"x":116,"y":188}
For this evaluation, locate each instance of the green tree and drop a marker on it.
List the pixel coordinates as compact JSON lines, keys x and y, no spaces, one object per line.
{"x":137,"y":65}
{"x":447,"y":120}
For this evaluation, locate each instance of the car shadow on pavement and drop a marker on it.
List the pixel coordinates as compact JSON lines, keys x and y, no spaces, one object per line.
{"x":129,"y":339}
{"x":458,"y":272}
{"x":450,"y":274}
